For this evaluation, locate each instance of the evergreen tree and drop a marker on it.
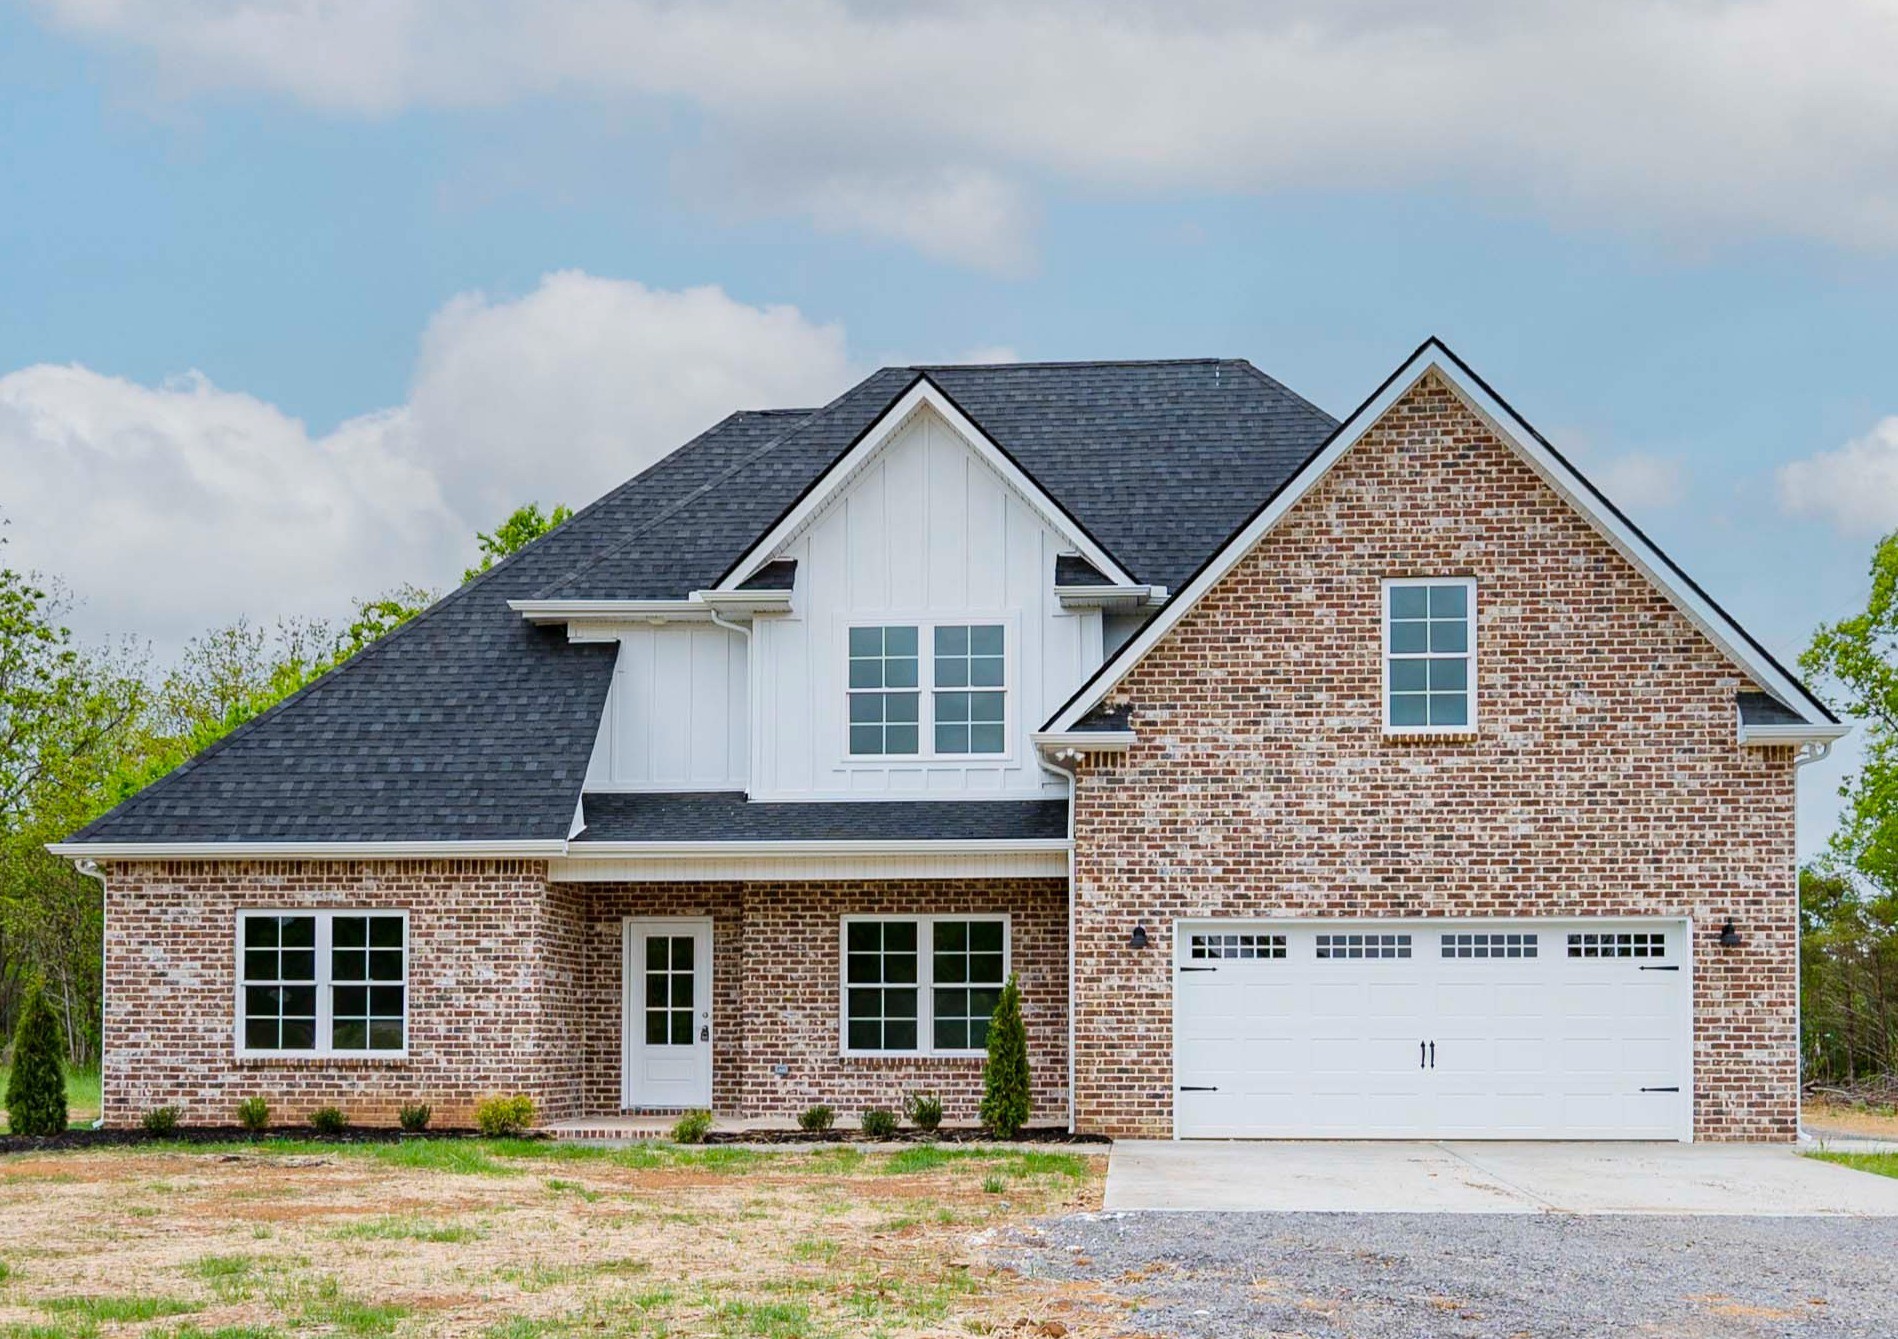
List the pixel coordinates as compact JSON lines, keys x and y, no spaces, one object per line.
{"x":36,"y":1092}
{"x":1005,"y":1101}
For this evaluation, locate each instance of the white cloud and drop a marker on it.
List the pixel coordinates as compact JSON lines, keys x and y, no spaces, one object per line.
{"x":1699,"y":117}
{"x":1855,"y":487}
{"x":1639,"y":482}
{"x":170,"y":509}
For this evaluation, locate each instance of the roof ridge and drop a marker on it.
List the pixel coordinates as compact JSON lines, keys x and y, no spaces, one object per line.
{"x":1071,"y":362}
{"x":545,"y":589}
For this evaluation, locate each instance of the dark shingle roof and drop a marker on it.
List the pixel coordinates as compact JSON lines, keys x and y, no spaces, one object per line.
{"x":1071,"y":569}
{"x":778,"y":574}
{"x":470,"y":724}
{"x":1765,"y":709}
{"x":726,"y":816}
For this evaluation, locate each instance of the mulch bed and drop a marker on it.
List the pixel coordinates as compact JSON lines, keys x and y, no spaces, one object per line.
{"x":120,"y":1138}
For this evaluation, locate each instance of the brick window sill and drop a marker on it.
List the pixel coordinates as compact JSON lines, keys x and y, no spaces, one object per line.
{"x":904,"y":1061}
{"x":322,"y":1061}
{"x":1424,"y":740}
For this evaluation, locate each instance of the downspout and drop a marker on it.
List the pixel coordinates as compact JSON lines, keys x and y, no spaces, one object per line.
{"x":1072,"y":776}
{"x":1815,"y":750}
{"x":90,"y":868}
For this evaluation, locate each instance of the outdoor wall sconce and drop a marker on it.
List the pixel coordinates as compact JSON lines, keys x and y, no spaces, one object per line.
{"x":1729,"y":937}
{"x":1139,"y":939}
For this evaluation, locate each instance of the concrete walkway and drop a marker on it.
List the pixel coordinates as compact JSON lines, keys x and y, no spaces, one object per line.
{"x":1343,"y":1177}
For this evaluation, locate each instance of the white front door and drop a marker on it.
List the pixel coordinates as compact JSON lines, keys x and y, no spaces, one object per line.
{"x":667,"y":1020}
{"x":1535,"y":1029}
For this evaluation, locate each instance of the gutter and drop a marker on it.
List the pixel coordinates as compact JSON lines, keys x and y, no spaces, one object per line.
{"x":702,"y":606}
{"x":90,"y":869}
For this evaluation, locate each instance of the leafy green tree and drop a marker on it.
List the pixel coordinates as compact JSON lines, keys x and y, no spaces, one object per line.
{"x":1006,"y":1105}
{"x":1849,"y":901}
{"x":522,"y":527}
{"x":36,"y":1090}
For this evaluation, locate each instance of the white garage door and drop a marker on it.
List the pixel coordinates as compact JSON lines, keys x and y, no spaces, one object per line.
{"x":1433,"y":1030}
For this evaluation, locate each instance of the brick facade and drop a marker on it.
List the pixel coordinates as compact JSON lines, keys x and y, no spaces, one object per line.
{"x":515,"y":986}
{"x":1603,"y":777}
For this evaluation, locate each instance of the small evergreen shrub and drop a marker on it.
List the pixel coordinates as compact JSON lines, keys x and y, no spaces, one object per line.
{"x":413,"y":1116}
{"x":328,"y":1120}
{"x":879,"y":1122}
{"x":36,"y":1091}
{"x":500,"y":1116}
{"x":253,"y":1113}
{"x":692,"y":1127}
{"x":819,"y":1117}
{"x":924,"y":1111}
{"x":161,"y":1121}
{"x":1005,"y":1101}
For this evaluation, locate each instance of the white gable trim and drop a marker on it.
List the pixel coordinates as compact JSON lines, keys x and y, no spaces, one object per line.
{"x":924,"y":394}
{"x":1535,"y":450}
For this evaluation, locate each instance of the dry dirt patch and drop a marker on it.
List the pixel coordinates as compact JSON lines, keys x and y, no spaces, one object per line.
{"x":510,"y":1240}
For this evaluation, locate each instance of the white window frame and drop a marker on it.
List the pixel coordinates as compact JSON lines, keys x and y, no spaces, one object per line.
{"x":925,"y":980}
{"x":1385,"y":654}
{"x":926,"y":685}
{"x":325,"y":985}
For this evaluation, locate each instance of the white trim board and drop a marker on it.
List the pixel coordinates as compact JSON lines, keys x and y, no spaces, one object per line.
{"x":923,"y":394}
{"x":1534,"y":449}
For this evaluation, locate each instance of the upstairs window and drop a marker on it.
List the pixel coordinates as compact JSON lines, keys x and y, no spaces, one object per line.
{"x":963,"y":714}
{"x":969,"y":694}
{"x":1429,"y":656}
{"x":885,"y":696}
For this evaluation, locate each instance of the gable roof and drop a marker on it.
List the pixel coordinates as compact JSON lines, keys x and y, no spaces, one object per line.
{"x":1433,"y":356}
{"x":471,"y":725}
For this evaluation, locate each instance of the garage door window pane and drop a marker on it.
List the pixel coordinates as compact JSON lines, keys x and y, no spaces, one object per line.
{"x":1236,"y":946}
{"x":1618,"y":944}
{"x":1335,"y":946}
{"x":1475,"y":945}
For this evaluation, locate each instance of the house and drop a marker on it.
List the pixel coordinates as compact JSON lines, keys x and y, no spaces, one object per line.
{"x":1373,"y":778}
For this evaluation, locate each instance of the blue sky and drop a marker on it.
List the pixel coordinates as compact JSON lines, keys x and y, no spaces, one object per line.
{"x":322,"y":232}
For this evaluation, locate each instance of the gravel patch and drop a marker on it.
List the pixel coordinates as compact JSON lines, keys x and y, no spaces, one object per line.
{"x":1436,"y":1276}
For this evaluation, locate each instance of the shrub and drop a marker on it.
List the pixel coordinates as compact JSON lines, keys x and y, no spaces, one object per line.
{"x":413,"y":1116}
{"x":879,"y":1122}
{"x":160,"y":1121}
{"x":328,"y":1120}
{"x":924,"y":1110}
{"x":1005,"y":1102}
{"x":36,"y":1092}
{"x":498,"y":1116}
{"x":819,"y":1117}
{"x":253,"y":1113}
{"x":692,"y":1127}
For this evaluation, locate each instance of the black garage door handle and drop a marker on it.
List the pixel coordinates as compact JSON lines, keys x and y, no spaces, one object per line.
{"x":1674,"y":1089}
{"x":1189,"y":1088}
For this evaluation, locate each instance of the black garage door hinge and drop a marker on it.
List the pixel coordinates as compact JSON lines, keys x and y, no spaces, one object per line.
{"x":1189,"y":1088}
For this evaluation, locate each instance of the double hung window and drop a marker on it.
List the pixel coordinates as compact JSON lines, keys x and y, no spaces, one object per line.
{"x":963,"y":712}
{"x":322,"y":983}
{"x":1429,"y":656}
{"x":922,"y":984}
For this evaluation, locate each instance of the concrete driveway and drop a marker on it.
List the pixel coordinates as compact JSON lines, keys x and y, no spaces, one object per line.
{"x":1486,"y":1178}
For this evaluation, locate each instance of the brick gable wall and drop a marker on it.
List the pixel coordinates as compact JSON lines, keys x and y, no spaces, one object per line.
{"x":1602,"y":778}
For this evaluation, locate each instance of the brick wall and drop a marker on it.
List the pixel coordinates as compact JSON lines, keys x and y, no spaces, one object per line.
{"x":1602,"y":779}
{"x":515,"y":986}
{"x":776,"y":991}
{"x":491,"y":958}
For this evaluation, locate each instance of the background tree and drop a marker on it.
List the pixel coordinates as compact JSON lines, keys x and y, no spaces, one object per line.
{"x":522,"y":527}
{"x":1849,"y":899}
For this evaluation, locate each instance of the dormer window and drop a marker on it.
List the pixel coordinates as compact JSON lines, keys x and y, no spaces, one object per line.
{"x":1430,"y":656}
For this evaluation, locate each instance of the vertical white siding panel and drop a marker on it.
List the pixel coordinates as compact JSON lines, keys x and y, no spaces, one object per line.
{"x":947,"y":524}
{"x":906,"y":515}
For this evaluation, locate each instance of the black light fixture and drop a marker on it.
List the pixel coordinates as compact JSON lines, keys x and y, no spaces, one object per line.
{"x":1139,"y":939}
{"x":1729,"y":937}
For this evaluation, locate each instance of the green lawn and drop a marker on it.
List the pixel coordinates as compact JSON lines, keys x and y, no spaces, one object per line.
{"x":82,"y":1095}
{"x":1883,"y":1164}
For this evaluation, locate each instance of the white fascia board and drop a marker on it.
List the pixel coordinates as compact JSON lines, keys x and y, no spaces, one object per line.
{"x":1773,"y":736}
{"x":446,"y":850}
{"x":1065,"y":744}
{"x":612,"y":611}
{"x":675,"y":850}
{"x":745,"y":601}
{"x":925,"y":393}
{"x":1108,"y":597}
{"x":1534,"y":449}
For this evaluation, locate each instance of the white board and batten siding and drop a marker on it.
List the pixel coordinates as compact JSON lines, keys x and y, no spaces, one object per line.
{"x":676,"y":717}
{"x":925,"y":532}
